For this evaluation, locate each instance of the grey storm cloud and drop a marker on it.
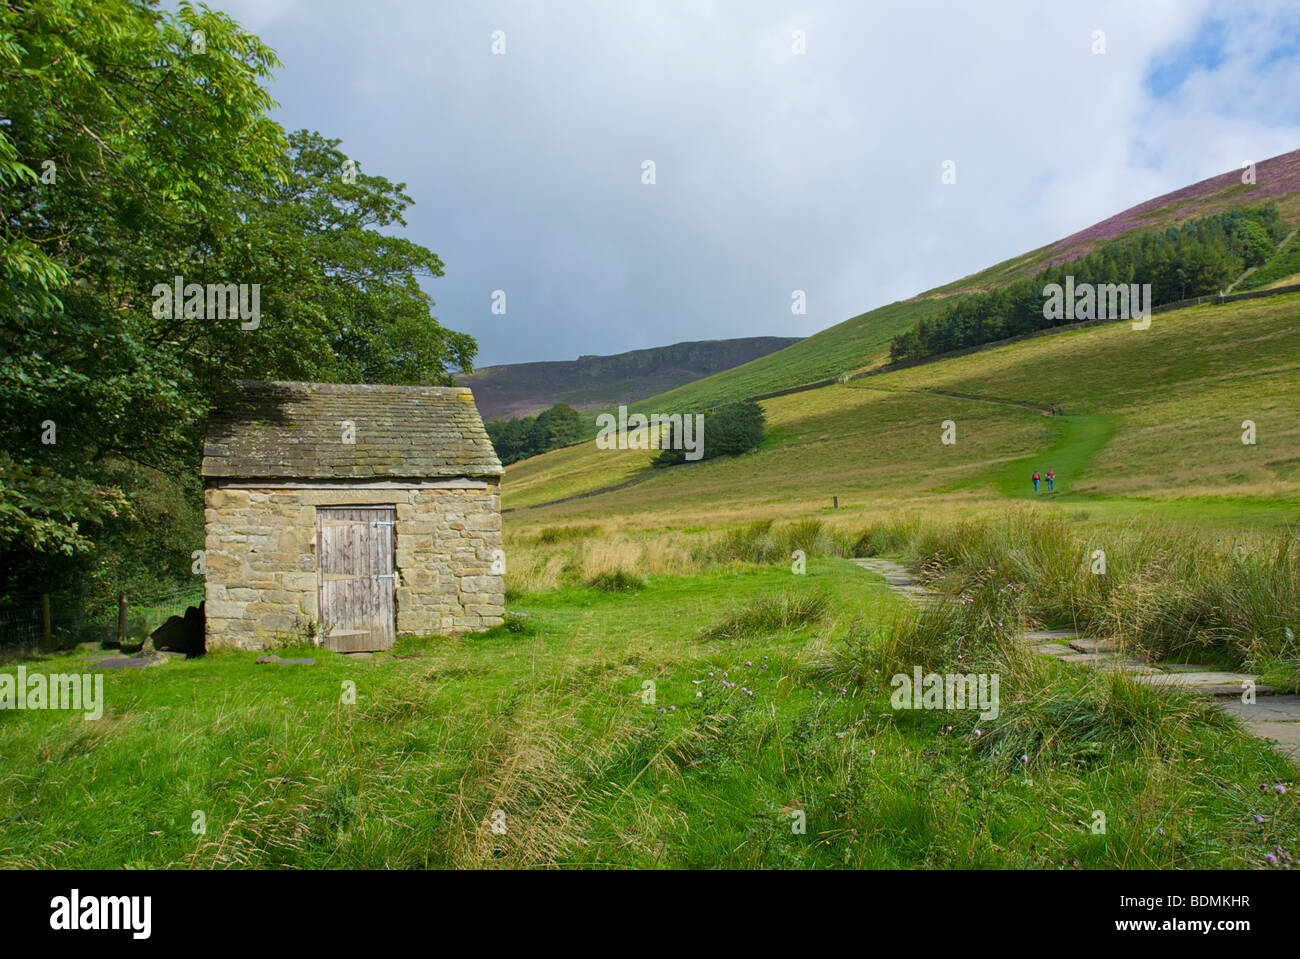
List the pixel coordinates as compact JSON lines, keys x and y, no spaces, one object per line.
{"x":775,"y":171}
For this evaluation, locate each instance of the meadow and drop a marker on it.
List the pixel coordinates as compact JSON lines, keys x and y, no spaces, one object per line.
{"x":684,"y":699}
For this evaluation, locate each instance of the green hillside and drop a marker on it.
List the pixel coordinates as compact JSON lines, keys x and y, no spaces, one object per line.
{"x":1152,"y":415}
{"x":855,"y":344}
{"x":862,"y":342}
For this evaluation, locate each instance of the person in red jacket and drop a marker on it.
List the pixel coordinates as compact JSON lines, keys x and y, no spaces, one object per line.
{"x":1051,"y":479}
{"x":1035,"y":481}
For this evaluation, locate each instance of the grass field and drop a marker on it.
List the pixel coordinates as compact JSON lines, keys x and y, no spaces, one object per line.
{"x":772,"y":744}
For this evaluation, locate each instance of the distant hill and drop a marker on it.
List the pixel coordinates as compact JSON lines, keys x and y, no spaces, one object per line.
{"x":862,"y":341}
{"x":592,"y":382}
{"x":1152,"y":424}
{"x":1150,"y":420}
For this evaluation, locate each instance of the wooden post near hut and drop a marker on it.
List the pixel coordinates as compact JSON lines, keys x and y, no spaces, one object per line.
{"x":836,"y":501}
{"x":121,"y":619}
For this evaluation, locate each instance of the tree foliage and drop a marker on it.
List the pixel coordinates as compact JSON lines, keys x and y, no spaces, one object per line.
{"x":517,"y":439}
{"x":1195,"y":259}
{"x":135,"y":147}
{"x":728,"y":430}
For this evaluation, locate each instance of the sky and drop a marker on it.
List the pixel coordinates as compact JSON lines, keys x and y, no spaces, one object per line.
{"x":796,"y":146}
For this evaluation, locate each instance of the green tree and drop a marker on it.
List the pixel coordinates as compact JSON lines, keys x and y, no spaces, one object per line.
{"x":1253,"y":243}
{"x":564,"y":426}
{"x":728,"y":430}
{"x":135,"y":147}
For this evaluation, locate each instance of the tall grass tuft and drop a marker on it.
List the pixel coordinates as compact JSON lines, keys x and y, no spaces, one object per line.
{"x":1173,"y":594}
{"x":616,"y":581}
{"x":770,"y":613}
{"x":751,"y":543}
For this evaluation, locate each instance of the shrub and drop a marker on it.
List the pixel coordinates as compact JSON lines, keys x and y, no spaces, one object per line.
{"x":728,"y":430}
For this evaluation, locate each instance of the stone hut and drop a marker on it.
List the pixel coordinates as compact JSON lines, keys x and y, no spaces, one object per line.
{"x":368,"y":511}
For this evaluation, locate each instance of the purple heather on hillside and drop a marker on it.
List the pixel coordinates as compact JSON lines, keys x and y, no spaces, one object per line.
{"x":1275,"y":177}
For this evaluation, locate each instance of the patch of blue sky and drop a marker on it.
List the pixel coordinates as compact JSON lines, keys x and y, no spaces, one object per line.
{"x":1204,"y":51}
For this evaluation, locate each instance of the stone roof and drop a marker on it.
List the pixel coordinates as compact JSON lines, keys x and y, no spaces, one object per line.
{"x":294,"y":431}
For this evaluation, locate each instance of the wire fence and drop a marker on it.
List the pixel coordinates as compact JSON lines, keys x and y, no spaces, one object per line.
{"x":29,"y":622}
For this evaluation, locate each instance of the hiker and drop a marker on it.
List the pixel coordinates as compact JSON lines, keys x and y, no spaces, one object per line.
{"x":1035,"y":481}
{"x":1051,"y":478}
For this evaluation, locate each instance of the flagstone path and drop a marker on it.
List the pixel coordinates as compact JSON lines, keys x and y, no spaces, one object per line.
{"x":1271,"y":717}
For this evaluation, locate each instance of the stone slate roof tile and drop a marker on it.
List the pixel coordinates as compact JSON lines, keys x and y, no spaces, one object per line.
{"x":294,"y":431}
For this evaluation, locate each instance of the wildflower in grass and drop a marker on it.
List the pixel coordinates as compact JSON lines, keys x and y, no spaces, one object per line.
{"x":672,"y":708}
{"x":699,"y":693}
{"x":978,"y":734}
{"x":1024,"y":758}
{"x":873,"y":752}
{"x":1258,"y":818}
{"x":1272,"y":859}
{"x":1279,"y":789}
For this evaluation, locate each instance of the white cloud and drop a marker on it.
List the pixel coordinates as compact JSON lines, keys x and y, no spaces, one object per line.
{"x":775,"y":172}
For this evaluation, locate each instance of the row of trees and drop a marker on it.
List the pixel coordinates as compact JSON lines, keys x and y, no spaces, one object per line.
{"x":517,"y":439}
{"x":1195,"y":259}
{"x":136,"y":147}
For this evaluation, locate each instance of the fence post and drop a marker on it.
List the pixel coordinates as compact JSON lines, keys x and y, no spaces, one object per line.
{"x":46,"y":644}
{"x":836,"y":501}
{"x":121,"y":619}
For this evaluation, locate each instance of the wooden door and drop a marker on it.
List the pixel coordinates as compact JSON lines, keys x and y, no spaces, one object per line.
{"x":354,"y":559}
